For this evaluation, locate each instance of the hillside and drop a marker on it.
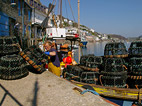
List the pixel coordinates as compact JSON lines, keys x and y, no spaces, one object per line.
{"x":117,"y":36}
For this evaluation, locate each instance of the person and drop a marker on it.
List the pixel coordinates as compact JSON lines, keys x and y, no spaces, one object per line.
{"x":54,"y":45}
{"x":53,"y":59}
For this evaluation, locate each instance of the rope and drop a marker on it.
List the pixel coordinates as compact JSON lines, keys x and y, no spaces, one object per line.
{"x":71,"y":11}
{"x":66,"y":8}
{"x":87,"y":90}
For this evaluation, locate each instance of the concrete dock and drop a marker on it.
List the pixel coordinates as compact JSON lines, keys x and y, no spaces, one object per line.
{"x":45,"y":89}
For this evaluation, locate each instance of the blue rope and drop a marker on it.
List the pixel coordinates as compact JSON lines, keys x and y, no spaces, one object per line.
{"x":92,"y":91}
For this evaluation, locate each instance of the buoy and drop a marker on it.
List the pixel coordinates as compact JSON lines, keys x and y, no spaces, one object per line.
{"x":69,"y":60}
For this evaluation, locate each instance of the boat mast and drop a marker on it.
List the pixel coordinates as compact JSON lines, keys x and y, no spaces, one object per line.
{"x":61,"y":14}
{"x":79,"y":29}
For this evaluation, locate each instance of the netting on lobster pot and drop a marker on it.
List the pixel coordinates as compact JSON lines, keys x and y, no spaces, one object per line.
{"x":135,"y":66}
{"x":94,"y":61}
{"x":12,"y":67}
{"x":115,"y":49}
{"x":7,"y":45}
{"x":115,"y":73}
{"x":135,"y":48}
{"x":72,"y":73}
{"x":90,"y":77}
{"x":114,"y":81}
{"x":114,"y":65}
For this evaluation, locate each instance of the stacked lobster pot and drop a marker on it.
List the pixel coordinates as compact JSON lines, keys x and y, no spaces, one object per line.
{"x":8,"y":46}
{"x":12,"y":66}
{"x":135,"y":65}
{"x":87,"y":71}
{"x":72,"y":73}
{"x":91,"y":69}
{"x":114,"y":73}
{"x":34,"y":55}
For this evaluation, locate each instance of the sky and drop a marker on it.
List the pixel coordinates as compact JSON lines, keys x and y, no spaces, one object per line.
{"x":122,"y":17}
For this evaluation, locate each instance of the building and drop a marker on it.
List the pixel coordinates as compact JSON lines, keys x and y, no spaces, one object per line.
{"x":15,"y":18}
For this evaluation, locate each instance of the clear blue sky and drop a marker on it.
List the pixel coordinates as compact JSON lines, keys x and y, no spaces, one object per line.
{"x":123,"y":17}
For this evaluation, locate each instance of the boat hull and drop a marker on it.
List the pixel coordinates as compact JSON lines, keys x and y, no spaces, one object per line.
{"x":113,"y":92}
{"x":84,"y":43}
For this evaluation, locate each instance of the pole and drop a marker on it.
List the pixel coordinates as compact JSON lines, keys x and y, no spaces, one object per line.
{"x":79,"y":29}
{"x":61,"y":14}
{"x":23,"y":18}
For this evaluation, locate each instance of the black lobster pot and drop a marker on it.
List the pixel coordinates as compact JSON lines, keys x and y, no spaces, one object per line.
{"x":115,"y":49}
{"x":114,"y":73}
{"x":34,"y":56}
{"x":7,"y":45}
{"x":90,"y":77}
{"x":94,"y":61}
{"x":72,"y":73}
{"x":135,"y":72}
{"x":135,"y":49}
{"x":83,"y":59}
{"x":12,"y":67}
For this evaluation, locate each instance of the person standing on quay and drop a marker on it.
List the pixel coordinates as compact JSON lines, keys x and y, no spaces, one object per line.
{"x":53,"y":59}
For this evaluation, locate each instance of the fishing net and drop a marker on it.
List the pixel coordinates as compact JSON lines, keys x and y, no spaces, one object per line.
{"x":135,"y":48}
{"x":12,"y":67}
{"x":115,"y":50}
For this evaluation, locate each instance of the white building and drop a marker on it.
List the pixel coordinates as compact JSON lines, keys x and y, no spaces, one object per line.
{"x":39,"y":13}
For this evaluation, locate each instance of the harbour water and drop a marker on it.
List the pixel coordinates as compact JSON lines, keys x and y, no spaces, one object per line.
{"x":96,"y":48}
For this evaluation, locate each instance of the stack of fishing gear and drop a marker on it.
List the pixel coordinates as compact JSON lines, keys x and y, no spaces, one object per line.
{"x":72,"y":73}
{"x":114,"y":73}
{"x":115,"y":49}
{"x":34,"y":56}
{"x":12,"y":67}
{"x":87,"y":71}
{"x":8,"y":45}
{"x":135,"y":65}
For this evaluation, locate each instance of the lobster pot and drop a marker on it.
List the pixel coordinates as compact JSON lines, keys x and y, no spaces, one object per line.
{"x":115,"y":50}
{"x":135,"y":81}
{"x":90,"y":77}
{"x":114,"y":65}
{"x":72,"y":73}
{"x":119,"y":82}
{"x":94,"y":62}
{"x":12,"y":67}
{"x":35,"y":54}
{"x":12,"y":61}
{"x":135,"y":49}
{"x":7,"y":46}
{"x":135,"y":66}
{"x":84,"y":58}
{"x":76,"y":70}
{"x":113,"y":79}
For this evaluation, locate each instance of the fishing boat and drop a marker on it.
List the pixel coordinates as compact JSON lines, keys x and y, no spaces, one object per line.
{"x":115,"y":76}
{"x":83,"y":41}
